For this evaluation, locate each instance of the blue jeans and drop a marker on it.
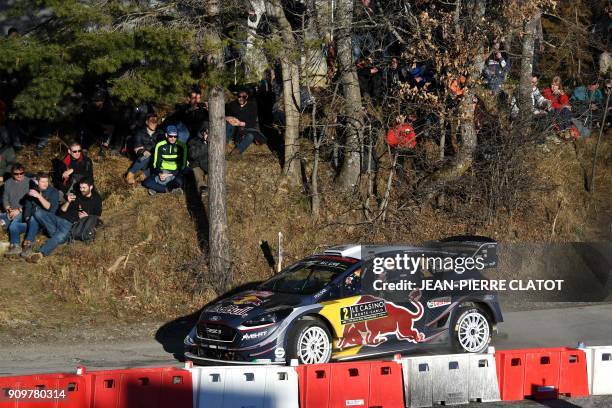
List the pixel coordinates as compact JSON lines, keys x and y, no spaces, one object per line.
{"x":33,"y":228}
{"x":233,"y":132}
{"x":15,"y":227}
{"x":141,"y":163}
{"x":152,"y":184}
{"x":58,"y":229}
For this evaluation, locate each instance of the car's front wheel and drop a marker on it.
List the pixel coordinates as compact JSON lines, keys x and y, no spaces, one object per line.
{"x":310,"y":342}
{"x":471,"y":330}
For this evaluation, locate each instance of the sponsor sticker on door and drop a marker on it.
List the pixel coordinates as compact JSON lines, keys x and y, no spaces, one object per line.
{"x":363,"y":311}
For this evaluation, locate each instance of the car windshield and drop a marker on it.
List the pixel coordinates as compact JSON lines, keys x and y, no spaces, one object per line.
{"x":307,"y":277}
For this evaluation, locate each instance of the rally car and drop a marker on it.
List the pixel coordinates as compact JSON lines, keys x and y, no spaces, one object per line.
{"x":325,"y":308}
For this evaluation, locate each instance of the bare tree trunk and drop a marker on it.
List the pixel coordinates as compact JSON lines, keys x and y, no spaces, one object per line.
{"x":291,"y":87}
{"x":525,"y":103}
{"x":291,"y":94}
{"x":219,"y":249}
{"x":349,"y":174}
{"x":467,"y":107}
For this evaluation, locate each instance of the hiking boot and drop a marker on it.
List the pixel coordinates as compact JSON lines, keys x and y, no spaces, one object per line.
{"x":130,"y":179}
{"x":177,"y":191}
{"x":27,"y":252}
{"x":141,"y":177}
{"x":152,"y":192}
{"x":35,"y":257}
{"x":13,"y":251}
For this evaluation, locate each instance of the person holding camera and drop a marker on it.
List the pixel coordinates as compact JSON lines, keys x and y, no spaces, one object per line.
{"x":41,"y":197}
{"x":77,"y":207}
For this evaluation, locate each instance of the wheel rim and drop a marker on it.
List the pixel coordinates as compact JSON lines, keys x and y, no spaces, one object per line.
{"x":473,"y":332}
{"x":314,"y":346}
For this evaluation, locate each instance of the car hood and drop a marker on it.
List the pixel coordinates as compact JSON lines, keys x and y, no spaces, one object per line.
{"x":247,"y":305}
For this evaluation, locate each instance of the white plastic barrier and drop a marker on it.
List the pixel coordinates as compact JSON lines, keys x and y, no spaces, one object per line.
{"x":599,"y":369}
{"x":245,"y":387}
{"x":449,"y":379}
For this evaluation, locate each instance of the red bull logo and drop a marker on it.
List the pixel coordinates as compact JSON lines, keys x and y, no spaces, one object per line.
{"x":247,"y":300}
{"x":398,"y":321}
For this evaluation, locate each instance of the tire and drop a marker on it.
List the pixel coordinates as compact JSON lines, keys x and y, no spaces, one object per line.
{"x":470,"y":330}
{"x":309,"y":342}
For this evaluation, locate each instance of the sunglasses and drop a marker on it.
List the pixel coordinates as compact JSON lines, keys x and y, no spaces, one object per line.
{"x":76,"y":151}
{"x":242,"y":96}
{"x":18,"y":174}
{"x":172,"y":136}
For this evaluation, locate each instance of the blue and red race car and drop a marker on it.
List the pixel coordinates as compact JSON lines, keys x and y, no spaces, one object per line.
{"x":338,"y":306}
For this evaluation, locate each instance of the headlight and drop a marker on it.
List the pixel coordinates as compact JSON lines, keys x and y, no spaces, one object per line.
{"x":189,"y":338}
{"x":267,"y":318}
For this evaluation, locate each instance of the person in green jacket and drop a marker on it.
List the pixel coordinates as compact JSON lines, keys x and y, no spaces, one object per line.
{"x":169,"y":161}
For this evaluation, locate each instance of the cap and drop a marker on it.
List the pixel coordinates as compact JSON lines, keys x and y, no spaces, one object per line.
{"x":172,"y":130}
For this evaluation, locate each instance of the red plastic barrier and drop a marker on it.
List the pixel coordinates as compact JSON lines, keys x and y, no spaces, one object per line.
{"x":70,"y":388}
{"x":140,"y":388}
{"x":376,"y":384}
{"x":541,"y":373}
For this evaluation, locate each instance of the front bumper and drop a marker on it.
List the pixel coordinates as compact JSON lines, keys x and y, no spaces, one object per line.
{"x":206,"y":360}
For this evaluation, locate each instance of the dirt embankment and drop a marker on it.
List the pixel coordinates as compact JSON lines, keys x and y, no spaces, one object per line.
{"x":144,"y":263}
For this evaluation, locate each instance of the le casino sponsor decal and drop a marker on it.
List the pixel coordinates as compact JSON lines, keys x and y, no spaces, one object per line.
{"x":363,"y":311}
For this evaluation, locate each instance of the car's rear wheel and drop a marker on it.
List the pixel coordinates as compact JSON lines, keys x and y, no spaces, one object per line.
{"x":471,"y":331}
{"x":310,"y":342}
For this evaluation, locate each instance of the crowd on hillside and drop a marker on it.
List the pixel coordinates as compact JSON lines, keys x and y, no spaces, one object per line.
{"x":65,"y":204}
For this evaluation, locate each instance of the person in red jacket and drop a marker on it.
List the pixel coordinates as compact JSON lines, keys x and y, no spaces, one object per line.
{"x":401,"y":136}
{"x":559,"y":105}
{"x":402,"y":140}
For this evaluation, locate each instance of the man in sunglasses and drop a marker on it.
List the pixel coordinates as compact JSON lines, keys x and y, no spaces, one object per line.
{"x":169,"y":161}
{"x":242,"y":122}
{"x":74,"y":167}
{"x":87,"y":203}
{"x":13,"y":200}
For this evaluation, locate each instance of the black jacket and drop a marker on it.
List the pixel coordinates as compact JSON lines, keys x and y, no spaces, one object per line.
{"x":142,"y":138}
{"x":197,"y":151}
{"x":82,"y":169}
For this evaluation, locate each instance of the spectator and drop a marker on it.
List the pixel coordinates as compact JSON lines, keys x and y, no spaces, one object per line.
{"x":144,"y":142}
{"x":242,"y":122}
{"x":98,"y":121}
{"x":401,"y":136}
{"x":539,"y":103}
{"x":58,"y":226}
{"x":394,"y":75}
{"x":402,"y":140}
{"x":169,"y":161}
{"x":559,"y":107}
{"x":370,"y":81}
{"x":198,"y":157}
{"x":588,"y":102}
{"x":194,"y":113}
{"x":41,"y":197}
{"x":75,"y":166}
{"x":495,"y":72}
{"x":7,"y":154}
{"x":13,"y":200}
{"x":419,"y":77}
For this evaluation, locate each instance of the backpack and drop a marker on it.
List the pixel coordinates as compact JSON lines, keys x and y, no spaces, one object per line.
{"x":84,"y":229}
